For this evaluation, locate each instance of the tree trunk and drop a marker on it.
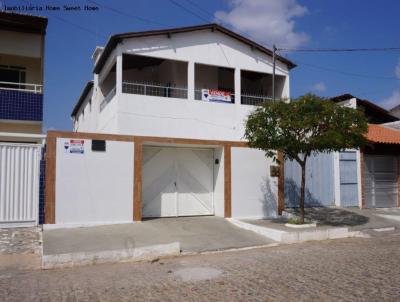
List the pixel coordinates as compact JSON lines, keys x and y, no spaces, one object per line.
{"x":302,"y":191}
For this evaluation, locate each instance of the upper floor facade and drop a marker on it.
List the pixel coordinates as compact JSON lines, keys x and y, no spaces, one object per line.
{"x":21,"y":73}
{"x":193,"y":82}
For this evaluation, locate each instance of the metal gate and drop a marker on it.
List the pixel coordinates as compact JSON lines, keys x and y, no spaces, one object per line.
{"x":319,"y":181}
{"x":381,"y":184}
{"x":348,"y":179}
{"x":19,"y":184}
{"x":177,"y":182}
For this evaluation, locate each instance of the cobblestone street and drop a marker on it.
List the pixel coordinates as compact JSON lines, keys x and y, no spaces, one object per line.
{"x":350,"y":269}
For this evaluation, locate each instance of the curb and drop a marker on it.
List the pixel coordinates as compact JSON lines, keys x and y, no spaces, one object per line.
{"x":124,"y":255}
{"x":296,"y":236}
{"x":235,"y":249}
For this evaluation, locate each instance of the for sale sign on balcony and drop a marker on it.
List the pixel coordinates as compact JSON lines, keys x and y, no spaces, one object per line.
{"x":211,"y":95}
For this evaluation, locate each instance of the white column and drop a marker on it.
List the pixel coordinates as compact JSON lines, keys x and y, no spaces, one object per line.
{"x":118,"y":72}
{"x":336,"y":177}
{"x":359,"y":177}
{"x":96,"y":101}
{"x":191,"y":80}
{"x":286,"y":90}
{"x":237,"y":87}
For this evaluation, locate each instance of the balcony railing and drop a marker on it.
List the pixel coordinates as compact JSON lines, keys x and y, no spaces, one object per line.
{"x":107,"y":99}
{"x":254,"y":99}
{"x":22,"y":102}
{"x":36,"y":88}
{"x":154,"y":90}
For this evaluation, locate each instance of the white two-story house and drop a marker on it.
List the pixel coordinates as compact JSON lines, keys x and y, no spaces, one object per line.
{"x":187,"y":92}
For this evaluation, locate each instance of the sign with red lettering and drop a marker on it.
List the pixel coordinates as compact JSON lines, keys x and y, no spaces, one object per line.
{"x":76,"y":146}
{"x":211,"y":95}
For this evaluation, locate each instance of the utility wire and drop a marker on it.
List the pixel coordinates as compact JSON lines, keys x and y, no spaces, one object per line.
{"x":373,"y":49}
{"x":340,"y":49}
{"x":346,"y":72}
{"x":188,"y":10}
{"x":200,"y":8}
{"x":90,"y":31}
{"x":212,"y":16}
{"x":138,"y":18}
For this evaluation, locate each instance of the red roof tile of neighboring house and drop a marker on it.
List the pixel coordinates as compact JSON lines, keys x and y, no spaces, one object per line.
{"x":383,"y":135}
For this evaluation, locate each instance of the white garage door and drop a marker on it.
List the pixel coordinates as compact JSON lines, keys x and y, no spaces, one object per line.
{"x":381,"y":187}
{"x":177,"y":182}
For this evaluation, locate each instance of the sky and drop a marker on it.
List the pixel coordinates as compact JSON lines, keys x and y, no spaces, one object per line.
{"x":296,"y":24}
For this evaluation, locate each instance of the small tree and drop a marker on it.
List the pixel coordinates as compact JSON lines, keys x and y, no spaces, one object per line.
{"x":307,"y":125}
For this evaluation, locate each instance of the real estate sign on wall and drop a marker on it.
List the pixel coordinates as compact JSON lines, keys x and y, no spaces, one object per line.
{"x":74,"y":146}
{"x":211,"y":95}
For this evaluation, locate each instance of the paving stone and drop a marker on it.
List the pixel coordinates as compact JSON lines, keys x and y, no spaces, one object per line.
{"x":20,"y":241}
{"x":353,"y":269}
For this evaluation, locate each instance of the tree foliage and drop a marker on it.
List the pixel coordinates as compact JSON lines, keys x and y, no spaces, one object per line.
{"x":308,"y":124}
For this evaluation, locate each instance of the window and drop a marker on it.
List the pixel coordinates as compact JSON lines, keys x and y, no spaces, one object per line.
{"x":12,"y":74}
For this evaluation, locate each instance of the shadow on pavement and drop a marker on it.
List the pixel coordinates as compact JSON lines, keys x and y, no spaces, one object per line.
{"x":331,"y":216}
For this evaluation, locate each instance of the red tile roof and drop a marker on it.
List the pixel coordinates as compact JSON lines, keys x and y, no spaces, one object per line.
{"x":383,"y":135}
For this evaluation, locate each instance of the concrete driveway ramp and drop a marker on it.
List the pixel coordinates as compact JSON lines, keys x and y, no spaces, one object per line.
{"x":146,"y":240}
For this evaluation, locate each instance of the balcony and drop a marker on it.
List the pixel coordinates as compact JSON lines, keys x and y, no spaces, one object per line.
{"x":154,"y":89}
{"x":166,"y":78}
{"x":107,"y":98}
{"x":21,"y":101}
{"x":248,"y":98}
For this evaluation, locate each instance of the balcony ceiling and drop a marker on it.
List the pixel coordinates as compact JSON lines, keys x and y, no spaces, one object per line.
{"x":139,"y":62}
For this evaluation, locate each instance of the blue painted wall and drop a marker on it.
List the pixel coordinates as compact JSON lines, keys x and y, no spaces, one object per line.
{"x":348,"y":179}
{"x":42,"y":187}
{"x":319,"y":181}
{"x":21,"y":105}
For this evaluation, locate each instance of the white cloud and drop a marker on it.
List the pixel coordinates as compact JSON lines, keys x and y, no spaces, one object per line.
{"x":319,"y":87}
{"x":392,"y":101}
{"x":268,"y":21}
{"x":397,"y":70}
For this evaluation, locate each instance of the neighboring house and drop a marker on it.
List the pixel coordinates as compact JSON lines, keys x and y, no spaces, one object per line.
{"x":365,"y":178}
{"x":181,"y":96}
{"x":395,"y":111}
{"x":21,"y":77}
{"x":22,"y":39}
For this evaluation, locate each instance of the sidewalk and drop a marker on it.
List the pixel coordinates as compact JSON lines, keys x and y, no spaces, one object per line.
{"x":332,"y":223}
{"x":146,"y":240}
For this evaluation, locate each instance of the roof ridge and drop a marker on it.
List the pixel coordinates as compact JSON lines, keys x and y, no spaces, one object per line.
{"x":115,"y":39}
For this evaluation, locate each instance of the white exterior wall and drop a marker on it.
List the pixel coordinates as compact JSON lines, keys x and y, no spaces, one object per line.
{"x":169,"y":117}
{"x":219,"y":183}
{"x":86,"y":120}
{"x":107,"y":119}
{"x":94,"y":187}
{"x":254,"y":192}
{"x":205,"y":47}
{"x":186,"y":118}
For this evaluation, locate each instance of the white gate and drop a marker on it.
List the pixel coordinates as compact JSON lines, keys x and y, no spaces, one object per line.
{"x":19,"y":184}
{"x":177,"y":182}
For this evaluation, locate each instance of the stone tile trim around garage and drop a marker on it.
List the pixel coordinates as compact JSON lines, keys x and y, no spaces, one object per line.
{"x":297,"y":235}
{"x":145,"y":253}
